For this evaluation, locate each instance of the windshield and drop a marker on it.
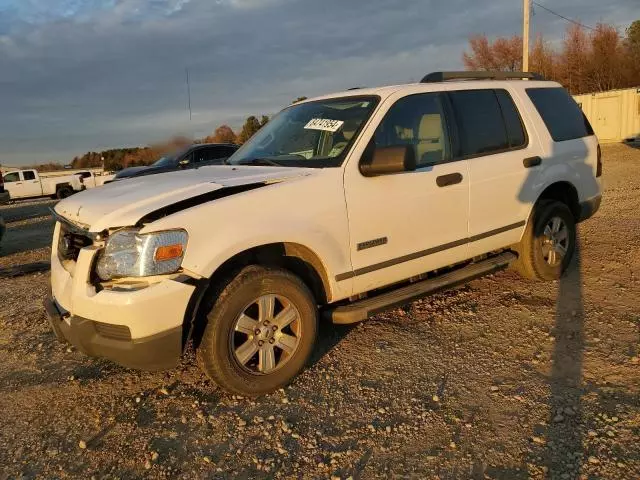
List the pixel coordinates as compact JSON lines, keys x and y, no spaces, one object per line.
{"x":170,"y":159}
{"x":314,"y":134}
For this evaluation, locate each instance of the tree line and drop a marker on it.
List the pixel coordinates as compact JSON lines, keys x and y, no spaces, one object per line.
{"x":585,"y":62}
{"x":119,"y":158}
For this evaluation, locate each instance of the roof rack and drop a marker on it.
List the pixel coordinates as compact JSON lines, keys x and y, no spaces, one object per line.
{"x":435,"y":77}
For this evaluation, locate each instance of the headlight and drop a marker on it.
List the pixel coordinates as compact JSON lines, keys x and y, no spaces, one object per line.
{"x":130,"y":254}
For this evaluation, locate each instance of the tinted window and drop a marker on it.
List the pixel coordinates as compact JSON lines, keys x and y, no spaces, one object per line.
{"x":512,"y":120}
{"x":29,"y":175}
{"x":12,"y":177}
{"x":84,"y":174}
{"x":560,"y":113}
{"x":416,"y":120}
{"x":479,"y":121}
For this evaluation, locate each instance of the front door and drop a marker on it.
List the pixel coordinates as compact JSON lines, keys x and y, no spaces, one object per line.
{"x":408,"y":223}
{"x":14,"y":185}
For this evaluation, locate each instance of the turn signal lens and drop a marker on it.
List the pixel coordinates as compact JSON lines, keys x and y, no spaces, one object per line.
{"x":168,"y":252}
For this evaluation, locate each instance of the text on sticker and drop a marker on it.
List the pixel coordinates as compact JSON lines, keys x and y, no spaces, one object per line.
{"x":325,"y":124}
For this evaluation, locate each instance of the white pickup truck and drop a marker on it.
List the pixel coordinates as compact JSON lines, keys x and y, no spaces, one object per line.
{"x":29,"y":183}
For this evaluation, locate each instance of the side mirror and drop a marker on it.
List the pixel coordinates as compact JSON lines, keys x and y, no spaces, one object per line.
{"x":387,"y":160}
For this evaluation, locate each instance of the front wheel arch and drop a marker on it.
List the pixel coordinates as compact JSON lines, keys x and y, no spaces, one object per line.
{"x":292,"y":257}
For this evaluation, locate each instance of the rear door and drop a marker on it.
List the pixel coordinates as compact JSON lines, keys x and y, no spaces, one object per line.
{"x":31,"y":183}
{"x":493,"y":139}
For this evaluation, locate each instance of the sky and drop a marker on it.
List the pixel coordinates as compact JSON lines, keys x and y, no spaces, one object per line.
{"x":80,"y":75}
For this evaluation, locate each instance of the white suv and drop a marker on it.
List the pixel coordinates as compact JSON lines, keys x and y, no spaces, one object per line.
{"x":345,"y":204}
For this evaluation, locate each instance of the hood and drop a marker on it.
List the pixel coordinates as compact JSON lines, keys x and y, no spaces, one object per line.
{"x":131,"y":171}
{"x":121,"y":204}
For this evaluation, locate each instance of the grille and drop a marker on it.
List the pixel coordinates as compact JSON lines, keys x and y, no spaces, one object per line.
{"x":116,"y":332}
{"x":69,"y":244}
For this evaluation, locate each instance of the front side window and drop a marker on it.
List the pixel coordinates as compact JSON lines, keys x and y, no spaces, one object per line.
{"x":480,"y":125}
{"x":313,"y":134}
{"x":11,"y":177}
{"x":210,"y":154}
{"x":418,"y":121}
{"x":29,"y":175}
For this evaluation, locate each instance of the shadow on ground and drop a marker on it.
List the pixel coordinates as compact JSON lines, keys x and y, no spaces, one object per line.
{"x":565,"y":402}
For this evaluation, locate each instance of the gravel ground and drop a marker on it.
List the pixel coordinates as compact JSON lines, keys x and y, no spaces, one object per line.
{"x":503,"y":378}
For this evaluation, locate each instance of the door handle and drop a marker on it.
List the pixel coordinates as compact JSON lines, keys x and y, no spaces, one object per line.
{"x":450,"y":179}
{"x":531,"y":162}
{"x":18,"y":183}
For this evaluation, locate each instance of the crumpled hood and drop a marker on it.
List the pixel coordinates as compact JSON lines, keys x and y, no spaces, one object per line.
{"x":121,"y":204}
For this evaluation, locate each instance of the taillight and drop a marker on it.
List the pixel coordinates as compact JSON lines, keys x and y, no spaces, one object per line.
{"x":599,"y":163}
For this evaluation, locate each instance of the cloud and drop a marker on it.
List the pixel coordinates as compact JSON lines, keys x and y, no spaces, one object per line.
{"x":85,"y":75}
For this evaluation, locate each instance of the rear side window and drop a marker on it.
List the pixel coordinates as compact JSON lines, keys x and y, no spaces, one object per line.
{"x":480,"y":124}
{"x":29,"y":175}
{"x":560,"y":113}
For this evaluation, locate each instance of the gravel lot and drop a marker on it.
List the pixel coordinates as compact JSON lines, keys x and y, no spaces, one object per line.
{"x":503,"y":378}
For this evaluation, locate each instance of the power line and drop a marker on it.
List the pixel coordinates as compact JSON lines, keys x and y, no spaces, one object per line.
{"x":563,"y":17}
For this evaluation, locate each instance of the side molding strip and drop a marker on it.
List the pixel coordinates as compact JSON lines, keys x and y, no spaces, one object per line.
{"x":424,"y":253}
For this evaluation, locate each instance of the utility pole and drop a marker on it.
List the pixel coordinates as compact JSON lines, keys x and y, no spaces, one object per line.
{"x":188,"y":92}
{"x":525,"y":36}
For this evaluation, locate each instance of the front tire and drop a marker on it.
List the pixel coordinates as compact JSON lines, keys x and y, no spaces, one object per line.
{"x":548,"y":243}
{"x":260,"y":332}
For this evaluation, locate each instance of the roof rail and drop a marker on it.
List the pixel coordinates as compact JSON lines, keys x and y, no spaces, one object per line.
{"x":435,"y":77}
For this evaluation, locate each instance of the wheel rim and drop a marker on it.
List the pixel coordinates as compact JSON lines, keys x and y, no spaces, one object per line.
{"x":555,"y":241}
{"x":266,"y":334}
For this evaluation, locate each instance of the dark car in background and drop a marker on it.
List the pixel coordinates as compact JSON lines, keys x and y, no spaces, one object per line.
{"x":193,"y":156}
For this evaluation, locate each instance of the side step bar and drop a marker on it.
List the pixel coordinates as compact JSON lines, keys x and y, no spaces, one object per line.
{"x":362,"y":309}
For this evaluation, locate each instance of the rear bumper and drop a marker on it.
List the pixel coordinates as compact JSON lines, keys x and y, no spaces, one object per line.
{"x":156,"y":352}
{"x":589,"y":207}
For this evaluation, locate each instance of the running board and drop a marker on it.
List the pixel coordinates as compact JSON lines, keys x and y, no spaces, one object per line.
{"x":362,"y":309}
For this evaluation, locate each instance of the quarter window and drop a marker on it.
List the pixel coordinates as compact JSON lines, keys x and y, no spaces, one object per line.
{"x":481,"y":128}
{"x":561,"y":114}
{"x":419,"y":121}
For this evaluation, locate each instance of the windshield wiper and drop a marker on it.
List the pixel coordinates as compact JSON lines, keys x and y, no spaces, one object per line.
{"x":260,"y":161}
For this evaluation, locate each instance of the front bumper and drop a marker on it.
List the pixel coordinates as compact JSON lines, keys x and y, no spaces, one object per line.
{"x":137,"y":328}
{"x":157,"y":352}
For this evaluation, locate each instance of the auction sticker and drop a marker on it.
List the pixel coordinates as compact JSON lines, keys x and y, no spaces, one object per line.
{"x":325,"y":124}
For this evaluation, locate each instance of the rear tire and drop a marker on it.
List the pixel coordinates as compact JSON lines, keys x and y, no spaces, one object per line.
{"x":548,"y":243}
{"x":260,"y":332}
{"x":64,"y":192}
